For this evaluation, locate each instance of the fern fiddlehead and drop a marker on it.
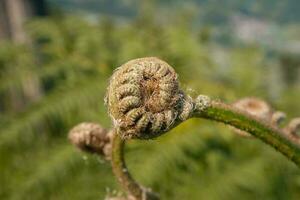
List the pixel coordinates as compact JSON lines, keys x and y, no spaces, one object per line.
{"x":145,"y":101}
{"x":92,"y":138}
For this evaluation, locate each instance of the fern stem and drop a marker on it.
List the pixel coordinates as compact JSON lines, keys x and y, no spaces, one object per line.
{"x":124,"y":177}
{"x":120,"y":168}
{"x":264,"y":131}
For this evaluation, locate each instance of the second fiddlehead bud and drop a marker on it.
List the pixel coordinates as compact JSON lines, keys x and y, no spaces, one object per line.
{"x":91,"y":137}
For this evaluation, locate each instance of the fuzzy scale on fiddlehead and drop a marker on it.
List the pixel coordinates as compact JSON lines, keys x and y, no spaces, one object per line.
{"x":144,"y":99}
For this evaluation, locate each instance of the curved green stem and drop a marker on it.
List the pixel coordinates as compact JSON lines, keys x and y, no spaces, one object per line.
{"x":221,"y":112}
{"x":121,"y":172}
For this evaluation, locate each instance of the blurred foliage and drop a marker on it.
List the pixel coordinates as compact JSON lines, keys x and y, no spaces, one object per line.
{"x":284,"y":11}
{"x":60,"y":80}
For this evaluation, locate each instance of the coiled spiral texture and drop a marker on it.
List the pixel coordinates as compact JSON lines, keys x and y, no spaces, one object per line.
{"x":144,"y":99}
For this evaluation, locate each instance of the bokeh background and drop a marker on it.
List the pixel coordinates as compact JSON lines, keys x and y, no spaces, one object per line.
{"x":56,"y":58}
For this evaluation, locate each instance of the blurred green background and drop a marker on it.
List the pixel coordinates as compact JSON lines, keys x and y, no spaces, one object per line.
{"x":54,"y":74}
